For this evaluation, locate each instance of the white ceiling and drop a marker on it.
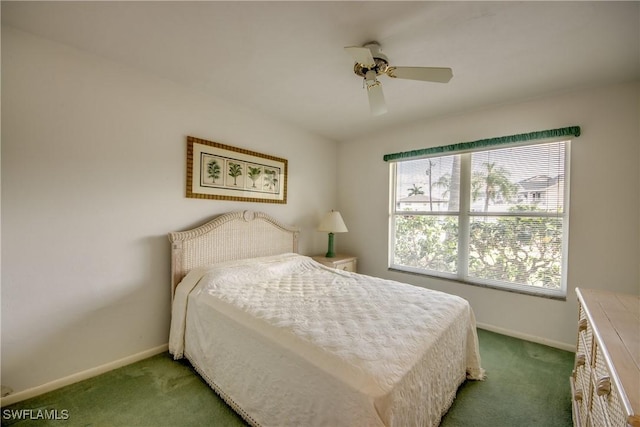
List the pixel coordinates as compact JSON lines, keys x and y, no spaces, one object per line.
{"x":286,"y":59}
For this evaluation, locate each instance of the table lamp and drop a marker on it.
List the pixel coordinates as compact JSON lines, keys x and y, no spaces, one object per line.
{"x":332,"y":222}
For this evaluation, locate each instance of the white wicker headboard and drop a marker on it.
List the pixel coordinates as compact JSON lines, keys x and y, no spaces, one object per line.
{"x":230,"y":236}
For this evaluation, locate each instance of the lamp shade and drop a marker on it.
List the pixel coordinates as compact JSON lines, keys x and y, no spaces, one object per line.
{"x":332,"y":222}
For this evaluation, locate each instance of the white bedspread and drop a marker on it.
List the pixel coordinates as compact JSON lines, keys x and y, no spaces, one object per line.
{"x":397,"y":352}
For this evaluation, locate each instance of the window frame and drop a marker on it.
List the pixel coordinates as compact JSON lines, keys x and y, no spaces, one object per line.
{"x":465,"y":215}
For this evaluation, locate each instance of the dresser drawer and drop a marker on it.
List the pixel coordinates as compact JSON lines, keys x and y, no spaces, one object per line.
{"x":580,"y":407}
{"x":346,"y":266}
{"x":339,"y":262}
{"x":608,"y":408}
{"x":585,"y":335}
{"x":582,"y":378}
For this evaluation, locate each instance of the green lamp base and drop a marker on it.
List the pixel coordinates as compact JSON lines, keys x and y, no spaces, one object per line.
{"x":330,"y":252}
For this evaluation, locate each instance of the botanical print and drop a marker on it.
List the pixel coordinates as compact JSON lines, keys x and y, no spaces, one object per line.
{"x":254,"y":173}
{"x":271,"y":180}
{"x":213,"y":172}
{"x":217,"y":171}
{"x":234,"y":170}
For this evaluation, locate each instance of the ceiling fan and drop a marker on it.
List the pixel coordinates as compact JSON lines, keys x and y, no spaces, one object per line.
{"x":371,"y":62}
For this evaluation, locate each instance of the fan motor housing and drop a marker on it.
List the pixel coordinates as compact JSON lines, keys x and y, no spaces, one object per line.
{"x":380,"y":67}
{"x":381,"y":60}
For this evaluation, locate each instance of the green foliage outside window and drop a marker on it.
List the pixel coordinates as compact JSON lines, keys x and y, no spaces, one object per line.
{"x":428,"y":242}
{"x":520,"y":250}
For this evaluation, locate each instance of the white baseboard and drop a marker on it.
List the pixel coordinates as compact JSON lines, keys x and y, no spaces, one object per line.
{"x":526,"y":337}
{"x":80,"y":376}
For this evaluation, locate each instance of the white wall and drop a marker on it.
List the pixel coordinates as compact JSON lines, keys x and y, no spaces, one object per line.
{"x":93,"y":178}
{"x":604,"y":244}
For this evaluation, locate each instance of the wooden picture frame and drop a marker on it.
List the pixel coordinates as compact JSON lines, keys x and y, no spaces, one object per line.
{"x":223,"y":172}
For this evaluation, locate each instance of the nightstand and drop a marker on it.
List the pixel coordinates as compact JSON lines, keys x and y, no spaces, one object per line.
{"x":340,"y":262}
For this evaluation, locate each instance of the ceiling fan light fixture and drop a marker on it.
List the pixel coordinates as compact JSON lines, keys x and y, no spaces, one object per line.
{"x":370,"y":80}
{"x":371,"y":84}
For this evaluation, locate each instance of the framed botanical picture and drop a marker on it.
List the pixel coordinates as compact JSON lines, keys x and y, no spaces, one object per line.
{"x":218,"y":171}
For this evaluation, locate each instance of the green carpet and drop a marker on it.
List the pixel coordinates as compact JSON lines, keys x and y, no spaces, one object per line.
{"x":527,"y":385}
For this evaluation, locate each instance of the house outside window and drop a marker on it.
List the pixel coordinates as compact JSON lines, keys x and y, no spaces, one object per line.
{"x":492,"y":216}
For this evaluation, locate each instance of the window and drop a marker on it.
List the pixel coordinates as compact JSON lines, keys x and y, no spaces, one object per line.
{"x":493,"y":215}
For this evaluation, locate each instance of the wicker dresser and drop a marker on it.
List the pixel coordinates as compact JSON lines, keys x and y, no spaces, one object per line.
{"x":605,"y":382}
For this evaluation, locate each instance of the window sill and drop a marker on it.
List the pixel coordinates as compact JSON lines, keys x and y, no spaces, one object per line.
{"x":483,"y":285}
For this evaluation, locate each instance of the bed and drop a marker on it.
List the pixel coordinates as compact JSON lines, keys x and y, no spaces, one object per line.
{"x":286,"y":341}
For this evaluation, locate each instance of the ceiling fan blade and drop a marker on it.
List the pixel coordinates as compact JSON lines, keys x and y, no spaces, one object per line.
{"x":376,"y":96}
{"x":362,"y":55}
{"x":427,"y":74}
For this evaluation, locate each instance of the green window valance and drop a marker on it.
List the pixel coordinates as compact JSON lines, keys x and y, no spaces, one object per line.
{"x":481,"y":143}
